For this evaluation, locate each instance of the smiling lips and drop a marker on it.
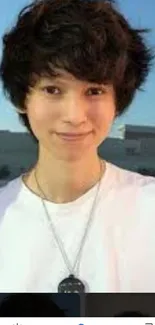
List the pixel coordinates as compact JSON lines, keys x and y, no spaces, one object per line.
{"x":72,"y":136}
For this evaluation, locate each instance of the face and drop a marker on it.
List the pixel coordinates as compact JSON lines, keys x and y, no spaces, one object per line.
{"x":67,"y":105}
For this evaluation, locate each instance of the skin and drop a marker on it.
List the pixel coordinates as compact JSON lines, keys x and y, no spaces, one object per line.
{"x":66,"y":170}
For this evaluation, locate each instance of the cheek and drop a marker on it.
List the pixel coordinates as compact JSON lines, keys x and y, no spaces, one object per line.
{"x":103,"y":115}
{"x":41,"y":115}
{"x":109,"y":117}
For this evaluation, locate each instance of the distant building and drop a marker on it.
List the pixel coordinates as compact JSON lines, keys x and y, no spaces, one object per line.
{"x":141,"y":139}
{"x":17,"y":151}
{"x":136,"y":151}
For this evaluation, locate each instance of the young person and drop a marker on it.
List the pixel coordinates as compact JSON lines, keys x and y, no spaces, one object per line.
{"x":75,"y":222}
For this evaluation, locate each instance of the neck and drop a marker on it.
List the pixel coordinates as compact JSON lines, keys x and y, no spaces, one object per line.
{"x":61,"y":181}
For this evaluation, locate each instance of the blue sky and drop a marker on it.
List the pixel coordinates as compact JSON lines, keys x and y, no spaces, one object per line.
{"x":140,"y":13}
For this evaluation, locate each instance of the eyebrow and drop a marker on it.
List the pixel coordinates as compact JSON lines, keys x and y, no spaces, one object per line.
{"x":52,"y":79}
{"x":58,"y":77}
{"x":62,"y":81}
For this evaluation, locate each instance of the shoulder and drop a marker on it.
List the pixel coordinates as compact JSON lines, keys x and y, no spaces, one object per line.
{"x":124,"y":178}
{"x":9,"y":195}
{"x":135,"y":192}
{"x":9,"y":187}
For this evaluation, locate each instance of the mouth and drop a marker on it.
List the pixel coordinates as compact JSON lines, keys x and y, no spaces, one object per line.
{"x":71,"y":137}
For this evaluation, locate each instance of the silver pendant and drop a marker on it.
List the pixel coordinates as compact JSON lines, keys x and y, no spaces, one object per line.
{"x":71,"y":285}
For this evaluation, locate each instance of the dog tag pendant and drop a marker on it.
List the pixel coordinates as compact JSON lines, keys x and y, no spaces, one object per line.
{"x":71,"y":285}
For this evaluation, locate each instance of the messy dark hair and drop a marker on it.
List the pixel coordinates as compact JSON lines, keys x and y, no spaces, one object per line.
{"x":88,"y":38}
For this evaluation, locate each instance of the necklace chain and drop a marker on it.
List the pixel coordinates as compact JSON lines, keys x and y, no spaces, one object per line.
{"x":59,"y":242}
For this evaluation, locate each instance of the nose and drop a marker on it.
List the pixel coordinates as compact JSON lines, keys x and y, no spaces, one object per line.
{"x":75,"y":110}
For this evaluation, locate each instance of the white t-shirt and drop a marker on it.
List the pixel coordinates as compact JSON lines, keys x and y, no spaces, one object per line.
{"x":119,"y":252}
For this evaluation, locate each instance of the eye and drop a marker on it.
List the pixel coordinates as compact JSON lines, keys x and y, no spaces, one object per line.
{"x":96,"y":91}
{"x":51,"y":90}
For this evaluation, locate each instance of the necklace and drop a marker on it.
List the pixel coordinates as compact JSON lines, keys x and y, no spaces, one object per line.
{"x":71,"y":284}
